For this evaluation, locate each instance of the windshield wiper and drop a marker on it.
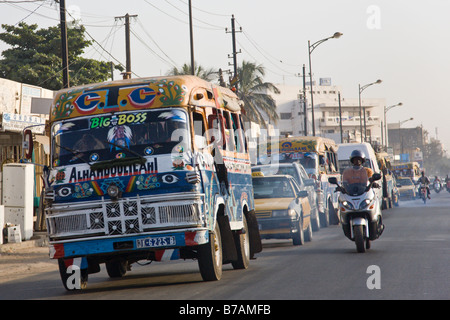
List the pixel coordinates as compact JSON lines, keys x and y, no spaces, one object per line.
{"x":127,"y":149}
{"x":76,"y":153}
{"x":122,"y":161}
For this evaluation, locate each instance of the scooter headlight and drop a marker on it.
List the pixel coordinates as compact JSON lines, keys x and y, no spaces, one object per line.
{"x":347,"y":205}
{"x":364,"y":204}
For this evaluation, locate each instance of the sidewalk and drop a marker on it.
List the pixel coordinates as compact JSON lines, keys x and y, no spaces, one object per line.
{"x":20,"y":260}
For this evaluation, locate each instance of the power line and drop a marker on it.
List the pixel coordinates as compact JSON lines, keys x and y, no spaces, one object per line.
{"x":207,"y":23}
{"x":156,"y":44}
{"x":182,"y":21}
{"x":151,"y":50}
{"x":211,"y":13}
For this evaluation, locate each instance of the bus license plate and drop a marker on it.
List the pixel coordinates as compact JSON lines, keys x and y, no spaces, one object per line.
{"x":155,"y":242}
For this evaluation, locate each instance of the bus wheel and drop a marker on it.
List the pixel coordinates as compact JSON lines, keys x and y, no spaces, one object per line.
{"x":210,"y":257}
{"x":116,"y":268}
{"x":72,"y":277}
{"x":242,"y":242}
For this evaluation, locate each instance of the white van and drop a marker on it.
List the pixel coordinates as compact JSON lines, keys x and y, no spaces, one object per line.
{"x":346,"y":149}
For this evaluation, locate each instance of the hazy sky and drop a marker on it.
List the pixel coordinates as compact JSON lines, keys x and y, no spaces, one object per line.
{"x":405,"y":43}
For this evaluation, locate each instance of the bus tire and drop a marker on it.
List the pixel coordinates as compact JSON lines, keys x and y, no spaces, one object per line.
{"x":116,"y":268}
{"x":242,"y":241}
{"x":74,"y":279}
{"x":210,"y":257}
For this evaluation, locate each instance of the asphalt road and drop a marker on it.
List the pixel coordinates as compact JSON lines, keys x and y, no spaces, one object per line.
{"x":410,"y":261}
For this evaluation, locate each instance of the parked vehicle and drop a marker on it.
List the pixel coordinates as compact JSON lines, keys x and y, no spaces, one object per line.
{"x":282,"y":209}
{"x":300,"y":176}
{"x":359,"y":209}
{"x":406,"y":188}
{"x":318,"y":156}
{"x":148,"y":169}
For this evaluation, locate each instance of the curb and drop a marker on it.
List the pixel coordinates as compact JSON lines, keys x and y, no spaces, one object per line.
{"x":39,"y":239}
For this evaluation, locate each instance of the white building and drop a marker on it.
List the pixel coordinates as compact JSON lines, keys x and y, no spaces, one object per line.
{"x":326,"y":114}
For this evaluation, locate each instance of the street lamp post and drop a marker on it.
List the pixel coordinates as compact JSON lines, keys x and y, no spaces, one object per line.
{"x":386,"y":109}
{"x":401,"y":138}
{"x":311,"y":48}
{"x":361,"y":89}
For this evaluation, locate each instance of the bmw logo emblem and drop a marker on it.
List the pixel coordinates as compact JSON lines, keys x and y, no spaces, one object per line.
{"x":148,"y":151}
{"x":94,"y":157}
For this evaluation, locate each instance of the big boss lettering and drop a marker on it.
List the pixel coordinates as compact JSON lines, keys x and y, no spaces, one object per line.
{"x":103,"y":122}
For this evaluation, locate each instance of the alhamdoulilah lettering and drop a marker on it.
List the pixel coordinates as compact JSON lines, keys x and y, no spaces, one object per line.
{"x":151,"y":166}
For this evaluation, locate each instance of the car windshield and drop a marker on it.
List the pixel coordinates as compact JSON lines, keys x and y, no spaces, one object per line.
{"x":355,"y":180}
{"x":119,"y":135}
{"x":288,"y":170}
{"x":272,"y":188}
{"x":344,"y":164}
{"x":405,"y":182}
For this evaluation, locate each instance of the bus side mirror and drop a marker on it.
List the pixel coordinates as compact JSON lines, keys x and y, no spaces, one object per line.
{"x":27,"y":144}
{"x":376,"y":176}
{"x":333,"y":180}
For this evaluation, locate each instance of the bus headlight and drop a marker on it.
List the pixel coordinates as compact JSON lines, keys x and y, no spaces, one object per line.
{"x":113,"y":191}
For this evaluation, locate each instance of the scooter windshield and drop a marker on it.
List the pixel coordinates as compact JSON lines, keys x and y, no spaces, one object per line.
{"x":355,"y":180}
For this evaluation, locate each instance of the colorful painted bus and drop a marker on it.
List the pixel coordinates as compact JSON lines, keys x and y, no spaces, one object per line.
{"x":148,"y":169}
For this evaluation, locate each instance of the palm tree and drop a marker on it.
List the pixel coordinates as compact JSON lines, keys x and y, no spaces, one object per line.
{"x":254,"y":92}
{"x":201,"y":72}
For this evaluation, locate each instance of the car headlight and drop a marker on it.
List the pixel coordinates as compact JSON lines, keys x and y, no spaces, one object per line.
{"x":347,"y":205}
{"x":284,"y":213}
{"x":279,"y":213}
{"x":292,"y":213}
{"x":364,"y":204}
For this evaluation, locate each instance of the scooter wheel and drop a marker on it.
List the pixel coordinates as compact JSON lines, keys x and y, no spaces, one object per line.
{"x":358,"y":232}
{"x":368,"y":244}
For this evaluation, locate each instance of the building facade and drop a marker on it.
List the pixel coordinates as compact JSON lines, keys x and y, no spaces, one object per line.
{"x":335,"y":115}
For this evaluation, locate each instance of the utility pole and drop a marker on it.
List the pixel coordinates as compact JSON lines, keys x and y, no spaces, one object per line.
{"x":191,"y":34}
{"x":305,"y":119}
{"x":234,"y":54}
{"x":64,"y":46}
{"x":127,"y":74}
{"x":340,"y":117}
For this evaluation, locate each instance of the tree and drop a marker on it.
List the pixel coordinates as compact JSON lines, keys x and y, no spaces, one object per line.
{"x":35,"y":57}
{"x":199,"y":71}
{"x":255,"y":93}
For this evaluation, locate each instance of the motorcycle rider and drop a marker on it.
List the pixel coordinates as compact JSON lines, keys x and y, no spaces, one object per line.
{"x":353,"y":175}
{"x":437,"y":184}
{"x":425,"y":181}
{"x":357,"y":159}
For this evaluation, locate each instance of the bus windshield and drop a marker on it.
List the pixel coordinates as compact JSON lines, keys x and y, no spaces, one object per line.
{"x":119,"y":135}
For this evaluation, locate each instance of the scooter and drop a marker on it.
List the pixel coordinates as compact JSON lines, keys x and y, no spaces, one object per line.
{"x":360,"y":211}
{"x":437,"y":186}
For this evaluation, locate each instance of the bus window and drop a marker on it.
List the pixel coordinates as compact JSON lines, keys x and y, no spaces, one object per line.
{"x":199,"y":131}
{"x":243,"y":133}
{"x":216,"y":127}
{"x":238,"y":133}
{"x":229,"y":132}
